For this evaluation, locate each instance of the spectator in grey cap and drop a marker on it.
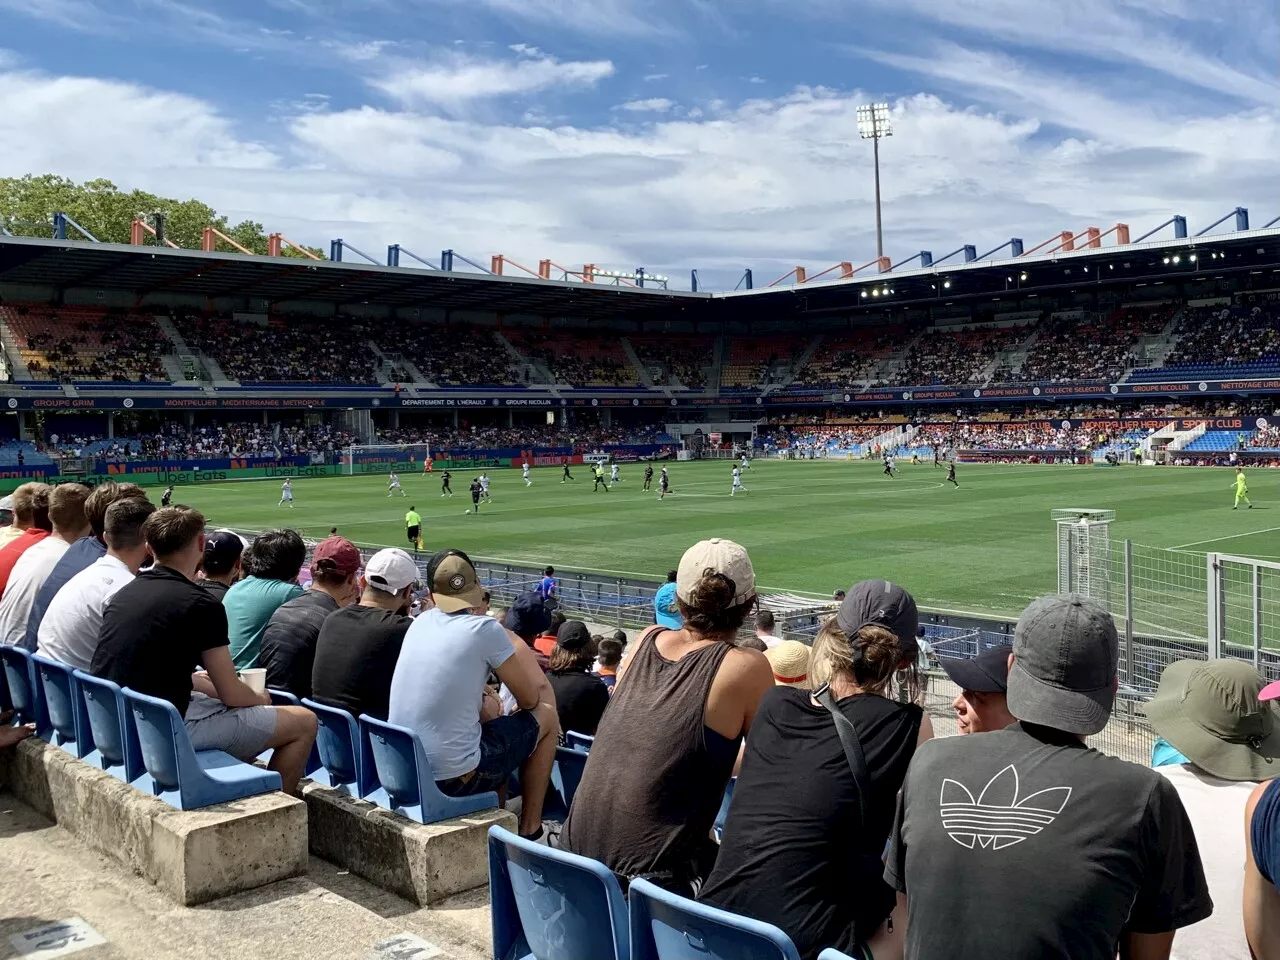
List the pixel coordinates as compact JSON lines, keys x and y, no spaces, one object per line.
{"x":1001,"y":838}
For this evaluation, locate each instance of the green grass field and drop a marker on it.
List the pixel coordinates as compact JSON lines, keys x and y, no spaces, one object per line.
{"x":988,"y":546}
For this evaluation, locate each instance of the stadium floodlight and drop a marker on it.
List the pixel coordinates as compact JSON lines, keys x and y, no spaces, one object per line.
{"x":873,"y":124}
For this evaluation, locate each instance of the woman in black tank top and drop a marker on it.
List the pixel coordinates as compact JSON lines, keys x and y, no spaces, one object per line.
{"x":803,"y":841}
{"x":657,"y":770}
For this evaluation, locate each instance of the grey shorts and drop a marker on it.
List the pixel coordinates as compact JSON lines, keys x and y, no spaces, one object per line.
{"x":242,"y":732}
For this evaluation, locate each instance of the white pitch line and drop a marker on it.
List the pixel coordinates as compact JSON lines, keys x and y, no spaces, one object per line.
{"x":1234,"y":536}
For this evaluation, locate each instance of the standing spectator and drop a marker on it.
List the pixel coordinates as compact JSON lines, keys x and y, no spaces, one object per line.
{"x":66,"y":514}
{"x":809,"y":861}
{"x":83,"y":553}
{"x":765,"y":627}
{"x":607,"y":662}
{"x":647,"y":802}
{"x":547,"y":588}
{"x":1000,"y":838}
{"x":221,"y":567}
{"x":666,"y":607}
{"x":1262,"y":871}
{"x":581,"y":696}
{"x":982,"y":703}
{"x":358,"y":646}
{"x":30,"y":526}
{"x":271,"y":567}
{"x":289,"y":641}
{"x":69,"y":629}
{"x":1209,"y":712}
{"x":161,"y":624}
{"x":439,"y":691}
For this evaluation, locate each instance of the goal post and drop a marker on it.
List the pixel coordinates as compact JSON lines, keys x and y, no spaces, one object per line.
{"x":1084,"y":552}
{"x":359,"y":458}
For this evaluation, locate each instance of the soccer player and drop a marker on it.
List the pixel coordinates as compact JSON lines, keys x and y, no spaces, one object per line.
{"x":746,"y":464}
{"x":937,"y":456}
{"x":525,"y":467}
{"x":1242,"y":490}
{"x":664,"y":484}
{"x":413,"y":528}
{"x":166,"y":496}
{"x":613,"y":474}
{"x":737,"y":482}
{"x":600,"y":481}
{"x":648,"y":477}
{"x":888,"y":465}
{"x":286,"y":493}
{"x":484,"y":488}
{"x":567,"y":474}
{"x":444,"y":484}
{"x":393,"y":485}
{"x":476,"y":490}
{"x":915,"y":457}
{"x":426,"y":465}
{"x":951,"y":474}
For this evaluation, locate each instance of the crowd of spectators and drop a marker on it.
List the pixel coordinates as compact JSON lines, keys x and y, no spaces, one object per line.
{"x":579,"y":359}
{"x":454,"y":355}
{"x":675,"y":361}
{"x":492,"y":437}
{"x":841,"y":361}
{"x":751,"y":360}
{"x":1044,"y":435}
{"x":80,"y":343}
{"x":1228,"y":335}
{"x":297,"y":349}
{"x":955,"y":357}
{"x":1091,"y":348}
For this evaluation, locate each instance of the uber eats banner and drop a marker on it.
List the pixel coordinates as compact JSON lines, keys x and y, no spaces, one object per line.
{"x":162,"y":478}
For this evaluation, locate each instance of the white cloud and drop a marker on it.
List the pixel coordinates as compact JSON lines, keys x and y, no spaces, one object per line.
{"x":650,"y":105}
{"x":756,"y":80}
{"x":455,"y":80}
{"x":654,"y":77}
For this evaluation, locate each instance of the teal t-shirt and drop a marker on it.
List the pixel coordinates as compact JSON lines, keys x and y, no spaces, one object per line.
{"x":249,"y":605}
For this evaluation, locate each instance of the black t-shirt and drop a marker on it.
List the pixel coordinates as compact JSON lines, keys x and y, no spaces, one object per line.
{"x":356,"y":654}
{"x":154,"y":633}
{"x":475,"y":490}
{"x":289,"y":641}
{"x":1024,"y":842}
{"x":795,"y":851}
{"x":580,"y":699}
{"x":216,"y":588}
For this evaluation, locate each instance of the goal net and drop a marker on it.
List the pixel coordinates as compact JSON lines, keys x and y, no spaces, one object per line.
{"x":385,"y":457}
{"x":1084,"y":552}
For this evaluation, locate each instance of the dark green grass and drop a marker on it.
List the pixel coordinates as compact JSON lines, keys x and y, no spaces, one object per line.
{"x":988,"y":546}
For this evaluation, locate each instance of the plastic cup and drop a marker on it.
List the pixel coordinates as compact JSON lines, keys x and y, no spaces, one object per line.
{"x":256,"y":678}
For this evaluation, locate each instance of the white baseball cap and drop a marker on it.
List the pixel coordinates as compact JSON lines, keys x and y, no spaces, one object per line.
{"x":717,"y":556}
{"x":390,"y":570}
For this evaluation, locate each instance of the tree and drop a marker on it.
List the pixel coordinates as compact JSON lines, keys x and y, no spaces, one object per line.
{"x":27,"y":206}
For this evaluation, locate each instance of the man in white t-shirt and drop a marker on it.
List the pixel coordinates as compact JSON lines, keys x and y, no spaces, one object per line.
{"x":765,"y":626}
{"x":66,"y":514}
{"x":1217,"y":741}
{"x":69,"y":631}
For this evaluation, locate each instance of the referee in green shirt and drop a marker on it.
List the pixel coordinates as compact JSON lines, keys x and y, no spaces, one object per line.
{"x":413,"y":528}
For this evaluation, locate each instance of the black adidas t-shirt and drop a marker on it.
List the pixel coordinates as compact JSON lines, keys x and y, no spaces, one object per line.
{"x":1026,"y":843}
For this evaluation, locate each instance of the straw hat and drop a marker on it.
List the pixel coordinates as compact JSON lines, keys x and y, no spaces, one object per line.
{"x":790,"y":662}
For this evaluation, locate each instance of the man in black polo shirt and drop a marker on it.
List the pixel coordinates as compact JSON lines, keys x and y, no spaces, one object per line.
{"x":161,"y":626}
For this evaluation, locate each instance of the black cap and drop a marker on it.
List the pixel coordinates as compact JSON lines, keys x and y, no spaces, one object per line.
{"x":883,"y":604}
{"x":527,"y":616}
{"x":222,"y":549}
{"x":573,"y":636}
{"x":988,"y":672}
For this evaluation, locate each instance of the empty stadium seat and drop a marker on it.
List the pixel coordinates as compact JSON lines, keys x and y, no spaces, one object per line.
{"x":26,"y":696}
{"x":566,"y":774}
{"x":550,"y":904}
{"x":579,"y":741}
{"x":343,"y":752}
{"x":407,"y":786}
{"x":179,"y":774}
{"x":61,"y":700}
{"x":111,"y":728}
{"x":667,"y":926}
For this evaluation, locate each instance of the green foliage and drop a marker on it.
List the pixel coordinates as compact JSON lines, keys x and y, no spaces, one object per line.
{"x":27,"y":205}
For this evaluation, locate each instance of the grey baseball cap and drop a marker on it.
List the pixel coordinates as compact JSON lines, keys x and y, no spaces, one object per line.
{"x":1066,"y":653}
{"x":883,"y":604}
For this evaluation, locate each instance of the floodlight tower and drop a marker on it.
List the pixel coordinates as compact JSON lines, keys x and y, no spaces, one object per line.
{"x":873,"y":123}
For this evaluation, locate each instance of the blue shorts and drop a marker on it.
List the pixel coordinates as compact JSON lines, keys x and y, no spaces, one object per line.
{"x":505,"y":743}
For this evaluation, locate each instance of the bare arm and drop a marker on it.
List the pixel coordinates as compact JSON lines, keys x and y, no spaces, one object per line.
{"x":1147,"y":946}
{"x":926,"y":730}
{"x":200,"y":683}
{"x":1261,"y":899}
{"x":229,"y":688}
{"x":743,"y":678}
{"x":523,"y":677}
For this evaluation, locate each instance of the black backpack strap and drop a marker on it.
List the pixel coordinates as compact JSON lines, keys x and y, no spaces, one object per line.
{"x":852,"y":748}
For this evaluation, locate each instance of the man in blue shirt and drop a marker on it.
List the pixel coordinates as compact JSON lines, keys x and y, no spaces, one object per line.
{"x":547,"y":587}
{"x":666,"y":610}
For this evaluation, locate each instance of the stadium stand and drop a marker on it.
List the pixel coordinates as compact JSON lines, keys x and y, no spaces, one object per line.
{"x":1091,"y":348}
{"x":675,"y":361}
{"x":751,"y":360}
{"x":301,"y":349}
{"x":85,"y":344}
{"x":458,"y":355}
{"x":960,"y":357}
{"x":1223,"y":342}
{"x":844,"y":360}
{"x":578,"y":359}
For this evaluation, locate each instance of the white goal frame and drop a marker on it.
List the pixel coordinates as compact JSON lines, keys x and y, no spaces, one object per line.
{"x":365,"y":458}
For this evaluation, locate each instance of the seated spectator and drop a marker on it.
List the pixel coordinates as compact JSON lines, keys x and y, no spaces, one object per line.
{"x":30,"y":526}
{"x":289,"y":640}
{"x":984,"y":823}
{"x":1262,"y":871}
{"x":982,"y":704}
{"x":161,"y":623}
{"x":1228,"y":741}
{"x":69,"y":629}
{"x":667,"y":745}
{"x":66,"y":514}
{"x":789,"y":660}
{"x":608,"y":660}
{"x":358,"y":646}
{"x":271,"y":568}
{"x":581,"y":696}
{"x":83,"y":553}
{"x":809,"y":861}
{"x":765,"y":627}
{"x":221,"y":569}
{"x":666,"y":608}
{"x":528,"y":618}
{"x":546,"y":642}
{"x":439,"y":691}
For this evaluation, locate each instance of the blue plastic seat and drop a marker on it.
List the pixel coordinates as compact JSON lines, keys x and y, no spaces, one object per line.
{"x":179,"y":774}
{"x":578,"y":741}
{"x":407,"y":786}
{"x":26,"y":694}
{"x":566,"y":774}
{"x":61,"y":700}
{"x":112,"y":735}
{"x":342,"y":751}
{"x":667,"y":926}
{"x":551,"y":904}
{"x":718,"y":827}
{"x":283,"y":698}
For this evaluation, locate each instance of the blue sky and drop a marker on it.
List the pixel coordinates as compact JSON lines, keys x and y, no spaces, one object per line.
{"x":668,"y":133}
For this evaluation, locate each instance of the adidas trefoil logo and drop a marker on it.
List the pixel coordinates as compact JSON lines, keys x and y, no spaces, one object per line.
{"x":998,"y":819}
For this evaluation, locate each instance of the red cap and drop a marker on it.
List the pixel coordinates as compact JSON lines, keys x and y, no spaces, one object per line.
{"x":1270,"y":692}
{"x":341,"y":552}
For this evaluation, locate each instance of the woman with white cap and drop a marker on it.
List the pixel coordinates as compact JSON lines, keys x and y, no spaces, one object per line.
{"x":808,"y":860}
{"x":667,"y":745}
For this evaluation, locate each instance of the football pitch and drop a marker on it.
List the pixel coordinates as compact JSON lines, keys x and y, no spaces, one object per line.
{"x":987,"y":547}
